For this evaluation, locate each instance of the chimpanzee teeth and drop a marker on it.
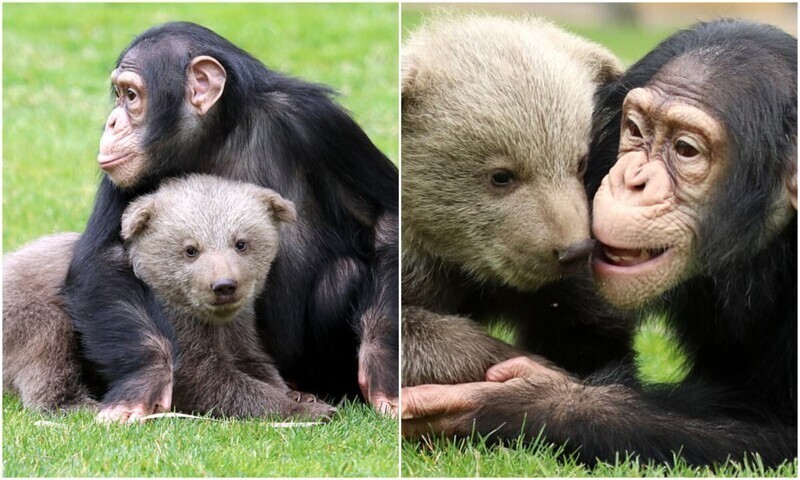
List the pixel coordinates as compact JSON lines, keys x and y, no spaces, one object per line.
{"x":631,"y":257}
{"x":627,"y":259}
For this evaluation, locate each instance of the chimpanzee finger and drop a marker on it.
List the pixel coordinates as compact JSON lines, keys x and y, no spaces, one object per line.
{"x":521,"y":367}
{"x":432,"y":400}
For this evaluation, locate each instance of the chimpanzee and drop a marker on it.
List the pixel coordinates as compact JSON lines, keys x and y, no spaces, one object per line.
{"x":697,"y":217}
{"x":188,"y":100}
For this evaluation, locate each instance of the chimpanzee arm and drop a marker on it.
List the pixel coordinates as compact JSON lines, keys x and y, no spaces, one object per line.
{"x":605,"y":415}
{"x":378,"y":326}
{"x":123,"y":331}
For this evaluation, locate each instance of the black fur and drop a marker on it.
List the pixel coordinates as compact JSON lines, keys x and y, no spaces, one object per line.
{"x":738,"y":321}
{"x":281,"y":133}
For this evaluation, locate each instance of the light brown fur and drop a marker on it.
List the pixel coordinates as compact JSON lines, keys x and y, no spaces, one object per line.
{"x":222,"y":369}
{"x":480,"y":94}
{"x":40,"y":360}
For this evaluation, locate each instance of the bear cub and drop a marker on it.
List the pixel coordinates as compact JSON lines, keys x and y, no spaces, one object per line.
{"x":205,"y":245}
{"x":496,"y":125}
{"x":40,"y":349}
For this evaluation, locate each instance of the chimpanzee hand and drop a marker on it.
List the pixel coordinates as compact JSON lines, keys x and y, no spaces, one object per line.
{"x":457,"y":410}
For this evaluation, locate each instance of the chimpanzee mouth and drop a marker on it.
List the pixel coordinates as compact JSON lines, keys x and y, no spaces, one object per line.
{"x":626,"y":257}
{"x":110,"y":160}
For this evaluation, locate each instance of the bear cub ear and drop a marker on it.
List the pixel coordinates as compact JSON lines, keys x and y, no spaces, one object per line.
{"x":282,"y":210}
{"x":137,"y":216}
{"x":411,"y":86}
{"x":603,"y":66}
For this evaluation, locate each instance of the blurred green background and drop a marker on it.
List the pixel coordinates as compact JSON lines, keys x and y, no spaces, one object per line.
{"x":629,"y":29}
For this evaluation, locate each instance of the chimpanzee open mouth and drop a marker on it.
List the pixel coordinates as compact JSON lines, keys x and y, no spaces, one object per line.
{"x":627,"y":257}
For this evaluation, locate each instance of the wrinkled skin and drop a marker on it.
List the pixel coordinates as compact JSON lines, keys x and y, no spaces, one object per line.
{"x":671,"y":156}
{"x":450,"y":409}
{"x":121,"y":153}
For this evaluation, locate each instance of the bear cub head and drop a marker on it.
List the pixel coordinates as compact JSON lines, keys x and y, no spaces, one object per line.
{"x":496,"y":120}
{"x":205,"y":244}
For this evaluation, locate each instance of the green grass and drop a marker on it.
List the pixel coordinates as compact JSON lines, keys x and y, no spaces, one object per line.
{"x":659,"y":360}
{"x":359,"y":442}
{"x":441,"y":458}
{"x":57,"y":60}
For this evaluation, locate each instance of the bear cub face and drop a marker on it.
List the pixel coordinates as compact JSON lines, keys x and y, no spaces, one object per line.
{"x":205,"y":244}
{"x":496,"y":120}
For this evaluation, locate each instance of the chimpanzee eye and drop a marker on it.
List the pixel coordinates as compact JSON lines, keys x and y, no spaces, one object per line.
{"x":241,"y":245}
{"x":632,"y":129}
{"x":116,"y":91}
{"x":685,"y":150}
{"x":130,"y":94}
{"x":501,"y":178}
{"x":190,"y":252}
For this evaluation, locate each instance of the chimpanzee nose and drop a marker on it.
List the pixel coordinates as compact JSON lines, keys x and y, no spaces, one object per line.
{"x":224,"y":287}
{"x":572,"y":256}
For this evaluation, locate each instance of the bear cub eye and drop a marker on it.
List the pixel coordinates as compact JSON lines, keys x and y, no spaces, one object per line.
{"x":241,"y":245}
{"x":501,"y":178}
{"x":190,"y":252}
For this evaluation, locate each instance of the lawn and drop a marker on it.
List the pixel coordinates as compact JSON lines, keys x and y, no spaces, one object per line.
{"x":658,"y":359}
{"x":357,"y":443}
{"x":57,"y":60}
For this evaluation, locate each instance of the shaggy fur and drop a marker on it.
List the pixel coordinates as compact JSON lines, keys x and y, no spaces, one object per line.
{"x":40,"y":360}
{"x":481,"y":95}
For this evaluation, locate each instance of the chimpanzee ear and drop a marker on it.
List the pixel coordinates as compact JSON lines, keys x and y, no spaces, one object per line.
{"x":281,"y":209}
{"x":137,"y":216}
{"x":206,"y":81}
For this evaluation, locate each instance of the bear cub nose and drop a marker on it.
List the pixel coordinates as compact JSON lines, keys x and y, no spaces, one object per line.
{"x":224,"y":289}
{"x":576,"y":255}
